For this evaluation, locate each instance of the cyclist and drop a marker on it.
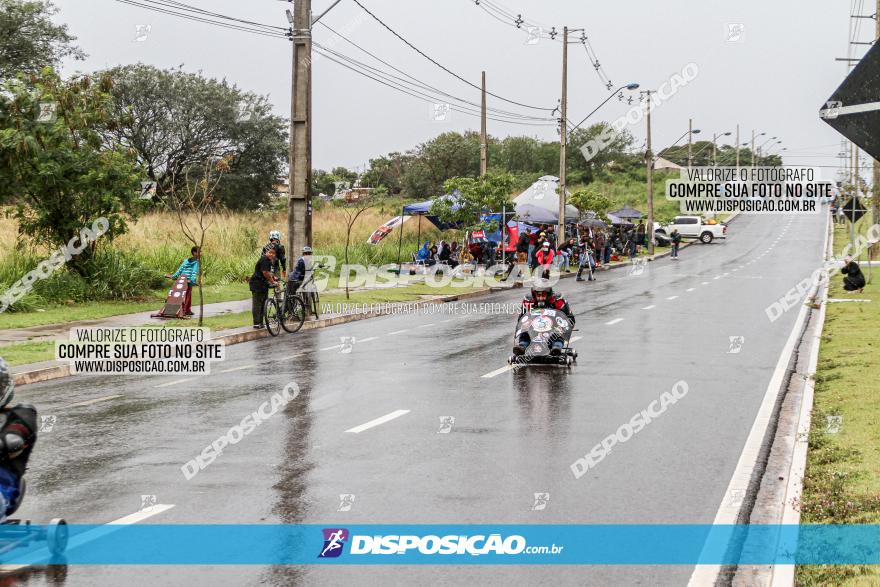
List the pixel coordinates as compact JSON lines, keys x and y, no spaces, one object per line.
{"x":260,"y":282}
{"x":280,"y":267}
{"x":303,"y":264}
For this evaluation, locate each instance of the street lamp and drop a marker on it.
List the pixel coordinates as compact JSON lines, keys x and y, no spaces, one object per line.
{"x":696,"y":131}
{"x":632,"y":86}
{"x":753,"y":145}
{"x":715,"y":146}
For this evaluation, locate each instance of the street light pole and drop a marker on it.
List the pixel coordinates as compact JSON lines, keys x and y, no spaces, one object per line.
{"x":299,"y":202}
{"x":690,"y":142}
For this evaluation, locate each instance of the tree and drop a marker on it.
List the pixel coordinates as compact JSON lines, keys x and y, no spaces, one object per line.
{"x":489,"y":193}
{"x":29,"y":40}
{"x":174,"y":120}
{"x":591,"y":200}
{"x":195,"y":205}
{"x":351,"y":212}
{"x":446,"y":156}
{"x":53,"y":165}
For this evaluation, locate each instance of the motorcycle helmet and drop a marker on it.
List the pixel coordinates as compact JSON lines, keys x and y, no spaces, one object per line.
{"x":275,"y":235}
{"x":541,"y":292}
{"x":7,"y":384}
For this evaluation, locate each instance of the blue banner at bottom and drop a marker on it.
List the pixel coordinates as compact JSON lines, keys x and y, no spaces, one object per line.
{"x":183,"y":544}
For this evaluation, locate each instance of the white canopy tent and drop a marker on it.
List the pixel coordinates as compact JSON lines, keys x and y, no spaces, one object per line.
{"x":543,"y":194}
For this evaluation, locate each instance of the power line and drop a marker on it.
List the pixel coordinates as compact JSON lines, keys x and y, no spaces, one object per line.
{"x":205,"y":20}
{"x":410,"y":92}
{"x":426,"y":85}
{"x":441,"y":66}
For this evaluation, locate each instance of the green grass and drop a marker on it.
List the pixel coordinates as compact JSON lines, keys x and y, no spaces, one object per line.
{"x":842,"y":484}
{"x":28,"y":352}
{"x":60,"y":314}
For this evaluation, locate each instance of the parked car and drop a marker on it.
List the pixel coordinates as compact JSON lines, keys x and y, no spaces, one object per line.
{"x":695,"y":227}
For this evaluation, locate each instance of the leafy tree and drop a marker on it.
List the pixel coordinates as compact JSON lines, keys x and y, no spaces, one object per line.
{"x":173,"y":120}
{"x":446,"y":156}
{"x":591,"y":200}
{"x":387,"y":171}
{"x":29,"y":40}
{"x":480,"y":195}
{"x":53,"y":165}
{"x":351,"y":211}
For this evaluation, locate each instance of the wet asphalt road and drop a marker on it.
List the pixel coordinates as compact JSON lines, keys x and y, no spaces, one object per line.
{"x":515,"y":433}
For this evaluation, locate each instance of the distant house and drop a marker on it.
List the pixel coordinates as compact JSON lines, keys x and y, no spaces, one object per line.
{"x":352,"y":194}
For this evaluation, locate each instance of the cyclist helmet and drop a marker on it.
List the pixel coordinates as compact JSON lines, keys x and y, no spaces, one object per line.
{"x":275,"y":235}
{"x":7,"y":384}
{"x":307,"y":250}
{"x":541,"y":292}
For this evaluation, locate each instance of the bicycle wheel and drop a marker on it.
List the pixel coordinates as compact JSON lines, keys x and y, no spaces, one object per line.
{"x":272,"y":317}
{"x":294,"y":314}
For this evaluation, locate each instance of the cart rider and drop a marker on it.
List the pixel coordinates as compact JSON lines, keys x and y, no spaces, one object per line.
{"x":542,"y":296}
{"x":18,"y":433}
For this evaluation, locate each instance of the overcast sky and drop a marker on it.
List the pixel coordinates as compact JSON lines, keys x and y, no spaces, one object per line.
{"x":774,"y":78}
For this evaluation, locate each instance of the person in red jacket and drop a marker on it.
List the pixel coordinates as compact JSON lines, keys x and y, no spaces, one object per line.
{"x":544,"y":259}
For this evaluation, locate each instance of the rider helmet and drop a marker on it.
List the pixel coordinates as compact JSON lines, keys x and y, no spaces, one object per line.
{"x":275,"y":235}
{"x":307,"y":250}
{"x":541,"y":292}
{"x":7,"y":384}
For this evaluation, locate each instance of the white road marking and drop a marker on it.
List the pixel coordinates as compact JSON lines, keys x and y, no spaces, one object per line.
{"x":672,"y":298}
{"x":330,"y":348}
{"x":93,"y":401}
{"x":705,"y":283}
{"x":425,"y":325}
{"x":291,"y":357}
{"x":717,"y":277}
{"x":690,"y":289}
{"x":238,"y":369}
{"x":651,"y":307}
{"x":170,"y":383}
{"x":497,"y":372}
{"x":398,"y":332}
{"x":378,"y":421}
{"x":367,"y":339}
{"x":613,"y":322}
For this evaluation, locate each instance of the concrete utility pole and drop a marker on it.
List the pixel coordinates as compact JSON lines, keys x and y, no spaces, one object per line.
{"x":649,"y":161}
{"x":875,"y":201}
{"x":690,"y":142}
{"x":563,"y":137}
{"x":299,"y":202}
{"x":753,"y":148}
{"x":737,"y":150}
{"x":484,"y":139}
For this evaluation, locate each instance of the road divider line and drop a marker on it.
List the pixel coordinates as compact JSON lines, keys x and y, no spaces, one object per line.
{"x":613,"y":322}
{"x":238,"y":369}
{"x":497,"y":372}
{"x":330,"y":348}
{"x":378,"y":421}
{"x":93,"y":401}
{"x":651,"y":307}
{"x":425,"y":325}
{"x":690,"y":289}
{"x":672,"y":298}
{"x":398,"y":332}
{"x":369,"y":339}
{"x":175,"y":382}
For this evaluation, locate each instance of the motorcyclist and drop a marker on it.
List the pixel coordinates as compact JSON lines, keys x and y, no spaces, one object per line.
{"x":280,"y":253}
{"x":542,"y":296}
{"x":18,"y":434}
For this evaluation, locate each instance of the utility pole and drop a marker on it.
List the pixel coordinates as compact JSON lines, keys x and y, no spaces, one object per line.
{"x":563,"y":137}
{"x":649,"y":161}
{"x":690,"y":141}
{"x":875,"y":201}
{"x":299,"y":202}
{"x":753,"y":147}
{"x":484,"y":139}
{"x":737,"y":150}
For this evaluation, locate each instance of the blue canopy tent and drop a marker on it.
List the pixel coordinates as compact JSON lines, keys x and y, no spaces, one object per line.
{"x":423,"y":209}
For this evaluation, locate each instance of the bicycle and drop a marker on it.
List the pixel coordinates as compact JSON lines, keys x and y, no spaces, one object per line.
{"x":286,"y":311}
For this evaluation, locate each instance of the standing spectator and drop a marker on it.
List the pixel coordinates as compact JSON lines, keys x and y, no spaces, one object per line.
{"x":522,"y":246}
{"x":544,"y":259}
{"x":586,"y":260}
{"x":550,"y":237}
{"x":454,"y":254}
{"x":189,"y":268}
{"x":855,"y":279}
{"x":606,"y":249}
{"x":675,"y":237}
{"x":533,"y":244}
{"x":262,"y":279}
{"x":640,"y":237}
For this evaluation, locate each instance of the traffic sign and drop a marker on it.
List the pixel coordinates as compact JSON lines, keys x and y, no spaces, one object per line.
{"x":853,"y":109}
{"x":853,"y":210}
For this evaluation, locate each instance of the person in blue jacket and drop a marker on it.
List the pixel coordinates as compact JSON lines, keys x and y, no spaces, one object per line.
{"x":189,"y":268}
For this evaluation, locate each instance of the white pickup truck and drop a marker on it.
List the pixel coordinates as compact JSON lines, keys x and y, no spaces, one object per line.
{"x":695,"y":227}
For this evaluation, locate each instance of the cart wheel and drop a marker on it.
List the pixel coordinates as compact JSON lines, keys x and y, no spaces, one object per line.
{"x":57,"y":534}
